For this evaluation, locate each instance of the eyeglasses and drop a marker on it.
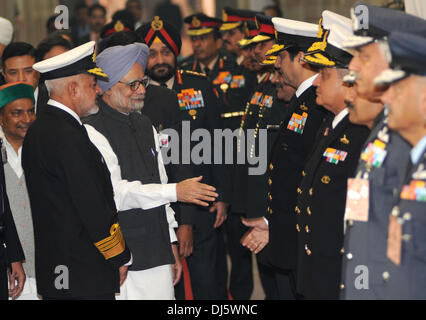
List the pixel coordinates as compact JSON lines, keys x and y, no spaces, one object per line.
{"x":135,"y":84}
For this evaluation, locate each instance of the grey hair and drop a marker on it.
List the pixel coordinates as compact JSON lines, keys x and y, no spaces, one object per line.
{"x":58,"y":86}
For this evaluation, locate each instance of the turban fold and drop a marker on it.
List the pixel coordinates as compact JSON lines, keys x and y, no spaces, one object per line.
{"x":117,"y":61}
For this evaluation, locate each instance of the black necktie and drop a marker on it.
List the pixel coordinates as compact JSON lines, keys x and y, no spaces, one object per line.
{"x":163,"y":85}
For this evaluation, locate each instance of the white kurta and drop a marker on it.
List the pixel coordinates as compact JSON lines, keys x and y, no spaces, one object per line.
{"x":155,"y":283}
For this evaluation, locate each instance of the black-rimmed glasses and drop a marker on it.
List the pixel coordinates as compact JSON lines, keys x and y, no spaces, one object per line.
{"x":135,"y":84}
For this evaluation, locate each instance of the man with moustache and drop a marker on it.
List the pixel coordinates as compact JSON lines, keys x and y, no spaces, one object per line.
{"x":406,"y":98}
{"x":264,"y":110}
{"x":76,"y":229}
{"x":16,"y":116}
{"x":126,"y":137}
{"x":379,"y":170}
{"x":291,"y":148}
{"x":164,"y":43}
{"x":322,"y":191}
{"x":229,"y":82}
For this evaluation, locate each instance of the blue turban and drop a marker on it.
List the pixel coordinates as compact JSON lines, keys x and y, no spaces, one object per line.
{"x":117,"y":61}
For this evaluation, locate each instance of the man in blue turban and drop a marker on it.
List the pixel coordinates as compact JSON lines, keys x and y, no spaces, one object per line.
{"x":142,"y":194}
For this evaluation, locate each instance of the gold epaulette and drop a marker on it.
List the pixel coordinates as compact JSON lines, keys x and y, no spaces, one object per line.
{"x":194,"y":73}
{"x":232,"y":114}
{"x":113,"y":245}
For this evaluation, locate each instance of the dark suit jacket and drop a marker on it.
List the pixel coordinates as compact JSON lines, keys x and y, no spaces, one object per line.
{"x":73,"y":208}
{"x":320,"y":208}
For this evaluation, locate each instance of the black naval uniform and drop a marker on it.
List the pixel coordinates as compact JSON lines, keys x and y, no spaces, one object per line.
{"x":291,"y":149}
{"x":321,"y":205}
{"x":10,"y":246}
{"x":263,"y":111}
{"x":202,"y":113}
{"x":73,"y":209}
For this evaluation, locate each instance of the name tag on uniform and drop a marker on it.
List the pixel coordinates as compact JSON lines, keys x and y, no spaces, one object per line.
{"x":375,"y":153}
{"x":357,"y":198}
{"x":297,"y":122}
{"x":163,"y":140}
{"x":190,"y":99}
{"x":334,"y":156}
{"x":394,"y":240}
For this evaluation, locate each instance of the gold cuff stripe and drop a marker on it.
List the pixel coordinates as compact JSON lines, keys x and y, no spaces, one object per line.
{"x":232,"y":114}
{"x":112,"y":245}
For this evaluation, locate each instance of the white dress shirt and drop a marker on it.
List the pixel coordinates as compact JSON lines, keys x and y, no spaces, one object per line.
{"x":305,"y":85}
{"x":339,"y":117}
{"x":134,"y":194}
{"x":210,"y":66}
{"x":13,"y":158}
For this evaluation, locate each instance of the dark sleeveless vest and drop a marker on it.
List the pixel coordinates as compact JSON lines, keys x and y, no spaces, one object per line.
{"x":146,"y":231}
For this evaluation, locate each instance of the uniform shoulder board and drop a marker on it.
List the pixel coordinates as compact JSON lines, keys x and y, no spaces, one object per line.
{"x":199,"y":74}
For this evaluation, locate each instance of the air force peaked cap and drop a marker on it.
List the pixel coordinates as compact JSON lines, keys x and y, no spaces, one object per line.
{"x":75,"y":61}
{"x":372,"y":23}
{"x":408,"y":57}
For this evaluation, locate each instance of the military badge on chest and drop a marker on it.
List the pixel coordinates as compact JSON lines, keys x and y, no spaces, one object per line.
{"x":334,"y":156}
{"x":374,"y":154}
{"x":297,"y":122}
{"x":224,"y":77}
{"x":416,"y":189}
{"x":238,"y":81}
{"x":190,"y":99}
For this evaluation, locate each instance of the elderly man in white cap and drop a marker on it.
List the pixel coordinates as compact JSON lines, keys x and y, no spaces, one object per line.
{"x":80,"y":252}
{"x":127,"y":137}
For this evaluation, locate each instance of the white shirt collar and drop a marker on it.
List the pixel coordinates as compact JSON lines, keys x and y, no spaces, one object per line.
{"x":261,"y":77}
{"x":35,"y":99}
{"x":418,"y":150}
{"x":305,"y":85}
{"x":339,"y":117}
{"x":63,"y":107}
{"x":13,"y":158}
{"x":240,"y":59}
{"x":169,"y":83}
{"x":211,"y":64}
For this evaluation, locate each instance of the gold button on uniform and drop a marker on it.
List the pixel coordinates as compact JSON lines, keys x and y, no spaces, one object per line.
{"x":269,"y":196}
{"x":307,"y":250}
{"x":308,"y":210}
{"x":311,"y":190}
{"x":342,"y":251}
{"x":269,"y":182}
{"x":297,"y":228}
{"x":307,"y":229}
{"x":303,"y":173}
{"x":297,"y":210}
{"x":299,"y":191}
{"x":342,"y":286}
{"x":271,"y":166}
{"x":325,"y":179}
